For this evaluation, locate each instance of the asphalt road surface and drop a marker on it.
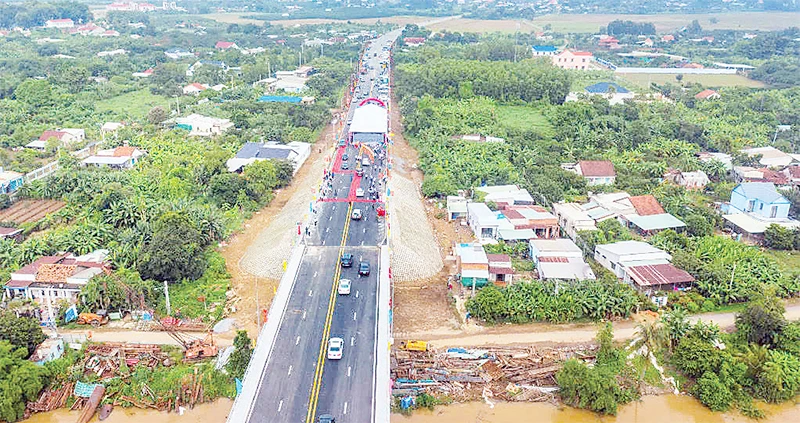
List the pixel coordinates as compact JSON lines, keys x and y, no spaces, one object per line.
{"x":299,"y":382}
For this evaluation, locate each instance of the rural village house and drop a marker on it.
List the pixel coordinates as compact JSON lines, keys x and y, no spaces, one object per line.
{"x":10,"y":181}
{"x":753,"y":207}
{"x":642,"y":265}
{"x":123,"y":157}
{"x":559,"y":259}
{"x":596,"y":172}
{"x":294,"y":152}
{"x":65,"y":136}
{"x":576,"y":60}
{"x":203,"y":126}
{"x":50,"y":279}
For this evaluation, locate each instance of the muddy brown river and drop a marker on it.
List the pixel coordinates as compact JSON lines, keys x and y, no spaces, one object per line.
{"x":660,"y":409}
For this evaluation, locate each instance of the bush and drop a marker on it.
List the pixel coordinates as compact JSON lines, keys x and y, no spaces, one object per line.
{"x":713,"y":393}
{"x":779,"y":238}
{"x":594,"y":388}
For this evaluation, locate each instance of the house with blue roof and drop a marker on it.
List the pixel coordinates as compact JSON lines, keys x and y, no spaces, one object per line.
{"x":606,"y":88}
{"x":544,"y":50}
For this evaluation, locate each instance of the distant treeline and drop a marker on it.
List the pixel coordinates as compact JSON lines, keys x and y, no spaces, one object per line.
{"x":620,"y":27}
{"x":28,"y":15}
{"x":502,"y":81}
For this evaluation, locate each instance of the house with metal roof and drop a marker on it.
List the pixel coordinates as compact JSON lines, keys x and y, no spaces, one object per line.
{"x":596,"y":172}
{"x":10,"y":181}
{"x":473,"y":265}
{"x":123,"y":157}
{"x":544,"y":50}
{"x":559,"y":259}
{"x":294,"y":152}
{"x":606,"y":88}
{"x":642,"y":265}
{"x":456,"y":207}
{"x":753,"y":207}
{"x":485,"y":223}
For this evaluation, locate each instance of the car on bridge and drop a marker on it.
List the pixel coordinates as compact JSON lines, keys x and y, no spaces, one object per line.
{"x":335,"y":348}
{"x":344,"y":287}
{"x":345,"y":157}
{"x":360,"y":171}
{"x":357,"y":215}
{"x":363,"y":269}
{"x":359,"y":192}
{"x":347,"y":260}
{"x":326,"y":418}
{"x":345,"y":166}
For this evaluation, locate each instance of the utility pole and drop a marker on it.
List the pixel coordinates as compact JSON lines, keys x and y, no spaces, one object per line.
{"x":166,"y":294}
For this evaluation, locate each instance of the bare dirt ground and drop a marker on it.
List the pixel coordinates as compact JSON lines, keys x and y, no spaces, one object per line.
{"x":420,"y":304}
{"x":247,"y":245}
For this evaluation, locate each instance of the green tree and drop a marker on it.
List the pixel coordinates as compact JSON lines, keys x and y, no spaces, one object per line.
{"x":779,"y":238}
{"x":243,"y":350}
{"x":713,"y":393}
{"x":20,"y":381}
{"x":175,"y":252}
{"x":35,"y":93}
{"x":157,"y":115}
{"x":225,"y":188}
{"x":698,"y":225}
{"x":21,"y":332}
{"x":594,"y":388}
{"x":261,"y":177}
{"x":762,"y":321}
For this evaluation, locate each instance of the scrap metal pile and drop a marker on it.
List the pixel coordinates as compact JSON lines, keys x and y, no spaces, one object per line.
{"x":51,"y":399}
{"x":522,"y":373}
{"x":104,"y":360}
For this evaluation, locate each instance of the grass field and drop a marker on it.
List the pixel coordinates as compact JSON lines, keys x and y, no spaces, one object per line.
{"x":787,"y":260}
{"x":134,"y":104}
{"x":644,"y":79}
{"x":524,"y":118}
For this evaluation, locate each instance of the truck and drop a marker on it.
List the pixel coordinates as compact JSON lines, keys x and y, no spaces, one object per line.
{"x":414,"y":345}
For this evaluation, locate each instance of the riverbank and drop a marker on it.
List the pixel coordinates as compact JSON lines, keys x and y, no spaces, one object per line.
{"x":652,"y":409}
{"x":213,"y":412}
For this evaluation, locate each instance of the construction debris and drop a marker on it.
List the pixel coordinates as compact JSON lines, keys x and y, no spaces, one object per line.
{"x":104,"y":360}
{"x":500,"y":373}
{"x":51,"y":399}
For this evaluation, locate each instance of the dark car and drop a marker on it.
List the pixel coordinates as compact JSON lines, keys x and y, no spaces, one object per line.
{"x":326,"y":418}
{"x":345,"y":166}
{"x":347,"y":260}
{"x":345,"y":156}
{"x":360,"y":172}
{"x":363,"y":269}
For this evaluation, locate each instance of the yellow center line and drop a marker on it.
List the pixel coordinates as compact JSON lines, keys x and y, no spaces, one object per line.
{"x":326,"y":331}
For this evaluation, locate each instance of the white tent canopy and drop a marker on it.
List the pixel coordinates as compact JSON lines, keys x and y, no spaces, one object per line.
{"x":370,"y":118}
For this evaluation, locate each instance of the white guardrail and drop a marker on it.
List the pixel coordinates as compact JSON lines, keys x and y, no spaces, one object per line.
{"x":243,"y":404}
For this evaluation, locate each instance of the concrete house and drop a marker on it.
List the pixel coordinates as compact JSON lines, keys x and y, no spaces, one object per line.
{"x":194,"y":88}
{"x":49,"y":350}
{"x":10,"y":181}
{"x":123,"y":157}
{"x":544,"y":50}
{"x":203,"y":126}
{"x":59,"y":23}
{"x":473,"y":265}
{"x":689,"y":180}
{"x":640,"y":264}
{"x":456,"y":207}
{"x":770,"y":156}
{"x":760,"y":198}
{"x":596,"y":172}
{"x":485,"y":223}
{"x":559,"y":259}
{"x":65,"y":136}
{"x":500,"y":270}
{"x":573,"y":219}
{"x":294,"y":152}
{"x":575,"y":60}
{"x":53,"y":278}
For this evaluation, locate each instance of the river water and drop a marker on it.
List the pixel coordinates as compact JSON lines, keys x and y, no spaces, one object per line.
{"x":653,"y":409}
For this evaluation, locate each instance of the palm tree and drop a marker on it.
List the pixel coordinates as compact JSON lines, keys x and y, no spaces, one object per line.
{"x":677,"y":325}
{"x":652,"y":335}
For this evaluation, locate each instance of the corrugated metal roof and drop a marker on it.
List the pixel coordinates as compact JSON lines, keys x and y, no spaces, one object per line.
{"x":655,"y":222}
{"x":658,"y":274}
{"x":763,"y":191}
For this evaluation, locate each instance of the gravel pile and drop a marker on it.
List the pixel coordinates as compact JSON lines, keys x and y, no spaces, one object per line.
{"x":415,"y":253}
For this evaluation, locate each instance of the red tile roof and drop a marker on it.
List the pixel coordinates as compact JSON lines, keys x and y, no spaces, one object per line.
{"x":658,"y":274}
{"x":581,"y":53}
{"x":705,"y":94}
{"x":777,"y":178}
{"x":794,"y":171}
{"x":596,"y":168}
{"x":512,"y":214}
{"x":124,"y":151}
{"x":646,"y":205}
{"x":224,"y":44}
{"x":46,"y":135}
{"x":18,"y":284}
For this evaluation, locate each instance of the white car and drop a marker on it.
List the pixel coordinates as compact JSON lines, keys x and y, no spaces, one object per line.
{"x":359,"y":192}
{"x":335,"y":348}
{"x":344,"y":287}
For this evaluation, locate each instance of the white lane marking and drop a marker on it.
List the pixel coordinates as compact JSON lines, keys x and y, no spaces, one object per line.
{"x":365,"y":230}
{"x":345,"y":408}
{"x":354,"y":315}
{"x":348,"y":371}
{"x":352,"y":340}
{"x":290,"y":371}
{"x":315,"y":274}
{"x":362,"y":242}
{"x":304,"y":313}
{"x":327,"y":230}
{"x":280,"y":405}
{"x":330,"y":217}
{"x":297,"y":341}
{"x":310,"y":292}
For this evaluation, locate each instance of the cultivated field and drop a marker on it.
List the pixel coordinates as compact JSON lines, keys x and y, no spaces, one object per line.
{"x":524,"y":118}
{"x":29,"y":210}
{"x":644,"y":79}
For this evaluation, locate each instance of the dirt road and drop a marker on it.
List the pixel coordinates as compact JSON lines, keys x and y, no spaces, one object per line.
{"x":549,"y":333}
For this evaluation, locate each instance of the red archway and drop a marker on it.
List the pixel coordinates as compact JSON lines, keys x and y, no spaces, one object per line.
{"x":372,"y":100}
